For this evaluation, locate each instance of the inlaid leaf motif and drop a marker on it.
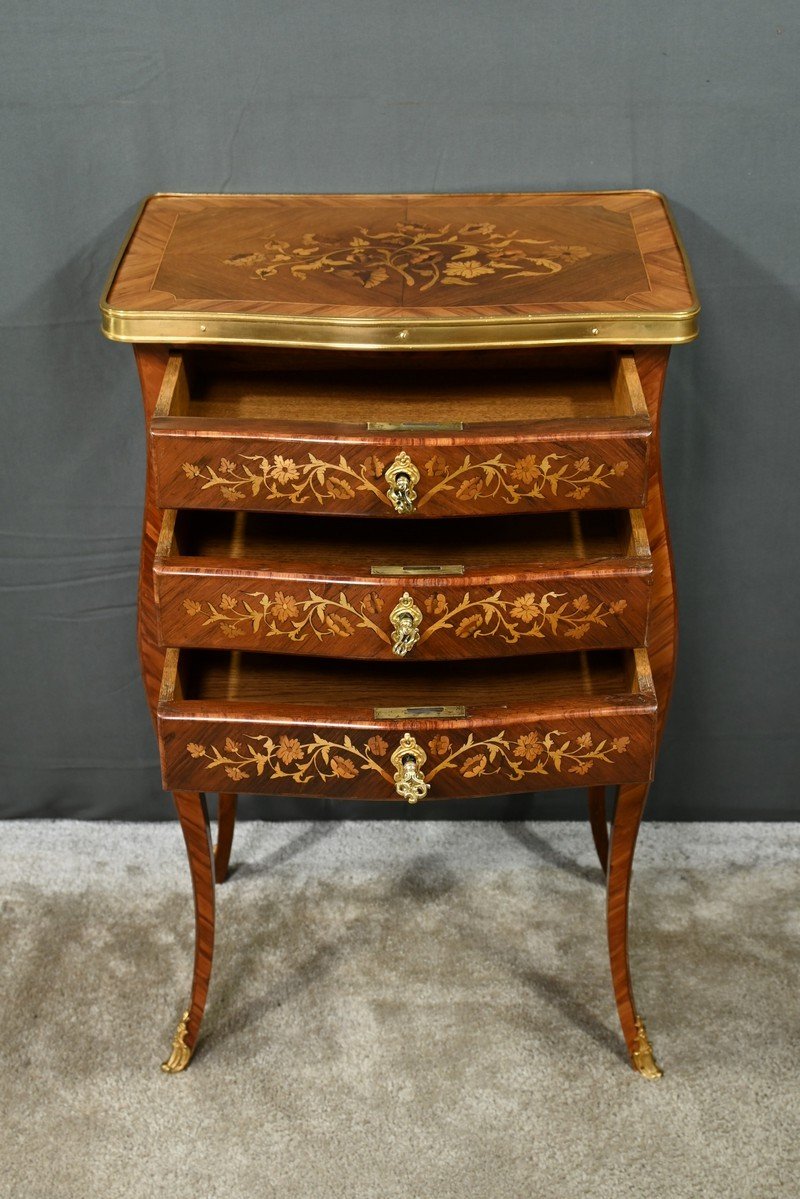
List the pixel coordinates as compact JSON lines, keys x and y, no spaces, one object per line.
{"x":287,"y":758}
{"x":503,"y":614}
{"x":314,"y":480}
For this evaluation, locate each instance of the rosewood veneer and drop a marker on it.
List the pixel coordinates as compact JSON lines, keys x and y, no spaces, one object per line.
{"x":388,"y":432}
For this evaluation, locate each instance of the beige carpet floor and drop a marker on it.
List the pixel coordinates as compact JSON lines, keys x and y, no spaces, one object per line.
{"x":399,"y":1011}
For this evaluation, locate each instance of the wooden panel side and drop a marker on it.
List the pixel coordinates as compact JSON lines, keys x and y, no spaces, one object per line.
{"x":151,"y":363}
{"x":663,"y":625}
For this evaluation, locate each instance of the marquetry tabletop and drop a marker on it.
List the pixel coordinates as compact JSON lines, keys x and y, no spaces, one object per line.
{"x":397,"y":272}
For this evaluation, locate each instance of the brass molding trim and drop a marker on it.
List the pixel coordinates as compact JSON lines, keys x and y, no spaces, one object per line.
{"x":427,"y":570}
{"x":180,"y":329}
{"x":415,"y":426}
{"x":429,"y":712}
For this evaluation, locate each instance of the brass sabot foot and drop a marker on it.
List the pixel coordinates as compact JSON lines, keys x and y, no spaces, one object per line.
{"x":181,"y":1053}
{"x":642,"y":1054}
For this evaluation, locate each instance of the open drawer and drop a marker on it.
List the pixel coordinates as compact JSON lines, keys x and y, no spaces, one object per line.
{"x":360,"y":589}
{"x":457,"y":434}
{"x":263,"y":724}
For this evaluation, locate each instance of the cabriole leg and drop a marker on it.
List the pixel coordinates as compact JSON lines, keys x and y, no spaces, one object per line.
{"x":597,"y":820}
{"x":627,"y":817}
{"x":226,"y":823}
{"x":193,"y":815}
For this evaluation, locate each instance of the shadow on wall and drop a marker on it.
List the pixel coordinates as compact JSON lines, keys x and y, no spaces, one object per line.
{"x":729,"y":442}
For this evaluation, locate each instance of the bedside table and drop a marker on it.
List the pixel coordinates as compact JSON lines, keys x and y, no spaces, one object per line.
{"x":387,"y":432}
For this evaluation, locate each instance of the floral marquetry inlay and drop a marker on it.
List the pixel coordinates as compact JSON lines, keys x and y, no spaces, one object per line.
{"x":320,"y":759}
{"x":415,"y":254}
{"x":509,"y":617}
{"x":278,"y":477}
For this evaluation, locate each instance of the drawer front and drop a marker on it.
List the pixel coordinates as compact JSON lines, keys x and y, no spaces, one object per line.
{"x":427,"y":618}
{"x":412,"y":612}
{"x":531,"y":473}
{"x":494,"y":757}
{"x":442,"y":752}
{"x":521,"y":455}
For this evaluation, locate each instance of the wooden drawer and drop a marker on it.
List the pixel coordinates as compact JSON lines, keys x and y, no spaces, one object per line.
{"x":338,"y":587}
{"x":263,"y":724}
{"x":459,"y":434}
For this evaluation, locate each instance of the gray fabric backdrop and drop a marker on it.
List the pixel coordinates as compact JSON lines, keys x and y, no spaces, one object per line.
{"x":103,"y":103}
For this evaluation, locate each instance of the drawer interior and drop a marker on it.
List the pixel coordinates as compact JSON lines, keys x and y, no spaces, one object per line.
{"x":338,"y":546}
{"x":213,"y":676}
{"x":475,"y":388}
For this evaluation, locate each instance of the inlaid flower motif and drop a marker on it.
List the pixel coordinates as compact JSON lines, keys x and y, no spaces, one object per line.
{"x":373,"y":604}
{"x":373,"y":467}
{"x":469,"y":625}
{"x":339,"y":625}
{"x":284,"y":607}
{"x":526,"y":469}
{"x":470,"y":488}
{"x":286,"y":759}
{"x":468,"y":270}
{"x":528,"y":747}
{"x":412,"y":253}
{"x":570,"y":254}
{"x":343,"y":768}
{"x":511,"y":480}
{"x":289,"y":750}
{"x":284,"y":469}
{"x":474,"y":765}
{"x":340,"y":489}
{"x":436,"y":465}
{"x":439,"y":745}
{"x":526,"y":608}
{"x":467,"y":614}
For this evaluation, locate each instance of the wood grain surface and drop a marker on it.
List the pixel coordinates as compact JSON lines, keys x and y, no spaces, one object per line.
{"x":407,"y":257}
{"x":662,"y":632}
{"x":151,"y":363}
{"x":226,"y":823}
{"x":599,"y":824}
